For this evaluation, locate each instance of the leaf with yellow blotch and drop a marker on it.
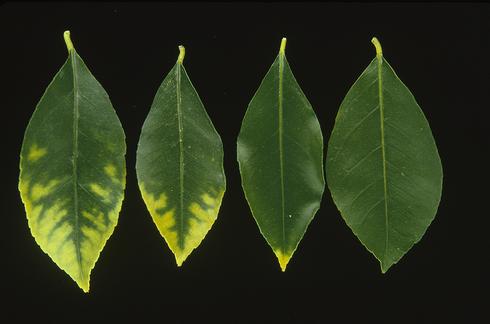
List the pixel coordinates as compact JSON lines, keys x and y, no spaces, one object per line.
{"x":72,"y":169}
{"x":179,"y":164}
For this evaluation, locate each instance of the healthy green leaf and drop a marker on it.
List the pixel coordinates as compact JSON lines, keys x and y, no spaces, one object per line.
{"x":280,"y":153}
{"x":179,"y":164}
{"x":72,"y":169}
{"x":383,"y":168}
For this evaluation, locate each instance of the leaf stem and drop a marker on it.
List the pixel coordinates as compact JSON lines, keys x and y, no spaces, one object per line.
{"x":282,"y":49}
{"x":69,"y":44}
{"x":180,"y":59}
{"x":377,"y":45}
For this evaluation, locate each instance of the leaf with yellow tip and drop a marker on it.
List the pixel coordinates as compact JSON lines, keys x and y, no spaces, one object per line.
{"x":72,"y":169}
{"x":179,"y":164}
{"x":280,"y":153}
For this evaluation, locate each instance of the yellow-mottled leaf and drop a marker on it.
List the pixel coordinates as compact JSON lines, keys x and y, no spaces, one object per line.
{"x":72,"y":169}
{"x":180,"y":164}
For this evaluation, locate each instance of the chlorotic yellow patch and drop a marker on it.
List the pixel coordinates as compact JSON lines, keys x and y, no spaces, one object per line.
{"x":113,"y":214}
{"x":200,"y":224}
{"x":210,"y":201}
{"x":197,"y":226}
{"x":94,"y":237}
{"x":39,"y":191}
{"x":92,"y":242}
{"x":53,"y":230}
{"x":97,"y":221}
{"x":283,"y":259}
{"x":153,"y":203}
{"x":35,"y":153}
{"x":42,"y":227}
{"x":164,"y":221}
{"x":111,"y":171}
{"x":101,"y":192}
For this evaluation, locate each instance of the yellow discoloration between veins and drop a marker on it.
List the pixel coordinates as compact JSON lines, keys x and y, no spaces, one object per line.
{"x":200,"y":221}
{"x":210,"y":201}
{"x":51,"y":225}
{"x":35,"y":153}
{"x":164,"y":221}
{"x":153,"y":203}
{"x":51,"y":218}
{"x":101,"y":192}
{"x":111,"y":171}
{"x":52,"y":232}
{"x":39,"y":191}
{"x":97,"y":221}
{"x":93,"y":241}
{"x":94,"y":236}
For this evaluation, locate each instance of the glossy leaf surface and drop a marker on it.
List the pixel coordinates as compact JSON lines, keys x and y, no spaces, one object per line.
{"x":73,"y":169}
{"x":383,"y":168}
{"x":280,"y":153}
{"x":180,"y":164}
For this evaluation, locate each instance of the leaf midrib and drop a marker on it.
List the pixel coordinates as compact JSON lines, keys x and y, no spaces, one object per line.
{"x":281,"y":149}
{"x":181,"y":153}
{"x":383,"y":150}
{"x":75,"y":158}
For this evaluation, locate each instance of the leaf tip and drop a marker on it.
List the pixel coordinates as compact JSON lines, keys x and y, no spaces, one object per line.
{"x":84,"y":284}
{"x":179,"y":259}
{"x":385,"y":266}
{"x":180,"y":59}
{"x":377,"y":45}
{"x":283,"y":259}
{"x":68,"y":42}
{"x":282,"y":49}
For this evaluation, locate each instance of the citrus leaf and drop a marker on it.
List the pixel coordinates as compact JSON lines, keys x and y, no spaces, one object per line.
{"x":383,"y":168}
{"x":280,"y":153}
{"x":72,"y":169}
{"x":179,"y":164}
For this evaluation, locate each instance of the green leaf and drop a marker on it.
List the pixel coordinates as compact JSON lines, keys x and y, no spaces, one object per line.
{"x":179,"y":164}
{"x":280,"y":153}
{"x":72,"y":169}
{"x":382,"y":166}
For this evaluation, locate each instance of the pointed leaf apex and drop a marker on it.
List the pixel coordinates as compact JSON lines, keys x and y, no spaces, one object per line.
{"x":180,"y":258}
{"x":377,"y":45}
{"x":385,"y":266}
{"x":68,"y":42}
{"x":283,"y":259}
{"x":282,"y":49}
{"x":84,"y":284}
{"x":180,"y":59}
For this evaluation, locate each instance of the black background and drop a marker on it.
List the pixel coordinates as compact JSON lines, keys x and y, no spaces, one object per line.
{"x":440,"y":51}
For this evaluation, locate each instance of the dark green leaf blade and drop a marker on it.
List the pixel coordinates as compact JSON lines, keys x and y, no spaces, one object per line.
{"x":383,"y":168}
{"x":72,"y":169}
{"x":179,"y":164}
{"x":280,"y":154}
